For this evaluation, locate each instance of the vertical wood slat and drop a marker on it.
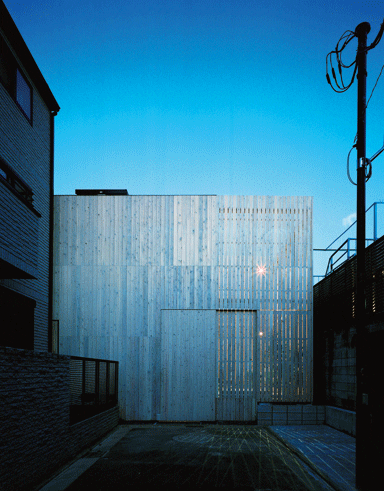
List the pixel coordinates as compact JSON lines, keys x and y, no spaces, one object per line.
{"x":189,"y":380}
{"x":235,"y":397}
{"x":281,"y":230}
{"x":120,"y":260}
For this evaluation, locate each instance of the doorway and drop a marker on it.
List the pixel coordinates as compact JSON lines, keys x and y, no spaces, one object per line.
{"x":208,"y":365}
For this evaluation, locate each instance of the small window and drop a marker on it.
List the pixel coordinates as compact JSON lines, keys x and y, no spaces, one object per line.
{"x":14,"y":81}
{"x":13,"y":181}
{"x":24,"y":94}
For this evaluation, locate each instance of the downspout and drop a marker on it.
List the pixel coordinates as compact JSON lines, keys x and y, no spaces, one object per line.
{"x":51,"y":191}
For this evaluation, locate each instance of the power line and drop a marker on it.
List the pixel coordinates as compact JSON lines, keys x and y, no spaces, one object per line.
{"x":339,"y":85}
{"x":381,"y":71}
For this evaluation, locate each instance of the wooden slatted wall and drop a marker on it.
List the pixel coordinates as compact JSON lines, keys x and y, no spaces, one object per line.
{"x":188,"y":358}
{"x":265,"y":264}
{"x":236,"y":394}
{"x":120,"y":261}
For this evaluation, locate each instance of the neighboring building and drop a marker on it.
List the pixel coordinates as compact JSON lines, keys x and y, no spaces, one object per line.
{"x":336,"y":346}
{"x":205,"y":301}
{"x":27,"y":110}
{"x":40,"y":401}
{"x":335,"y":338}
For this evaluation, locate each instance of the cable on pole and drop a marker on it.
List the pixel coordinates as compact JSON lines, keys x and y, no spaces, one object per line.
{"x":339,"y":86}
{"x":348,"y":174}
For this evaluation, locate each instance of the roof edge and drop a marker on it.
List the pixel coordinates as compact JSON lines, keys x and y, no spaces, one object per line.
{"x":9,"y":28}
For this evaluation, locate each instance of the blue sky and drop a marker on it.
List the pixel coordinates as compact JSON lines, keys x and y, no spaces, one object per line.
{"x":208,"y":97}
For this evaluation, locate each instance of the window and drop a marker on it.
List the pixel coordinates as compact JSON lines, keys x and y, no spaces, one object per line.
{"x":24,"y":94}
{"x":14,"y":80}
{"x":15,"y":183}
{"x":17,"y":320}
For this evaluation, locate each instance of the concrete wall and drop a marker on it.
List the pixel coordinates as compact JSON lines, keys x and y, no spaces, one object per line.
{"x":36,"y":436}
{"x":340,"y":370}
{"x":341,"y":419}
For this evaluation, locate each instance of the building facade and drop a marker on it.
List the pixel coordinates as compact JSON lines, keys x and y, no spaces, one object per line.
{"x":335,"y":335}
{"x":27,"y":110}
{"x":205,"y":301}
{"x":36,"y":386}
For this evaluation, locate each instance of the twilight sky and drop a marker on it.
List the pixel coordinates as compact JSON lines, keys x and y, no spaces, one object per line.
{"x":208,"y":97}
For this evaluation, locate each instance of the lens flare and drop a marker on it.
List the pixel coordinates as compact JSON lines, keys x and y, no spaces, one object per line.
{"x":261,"y":270}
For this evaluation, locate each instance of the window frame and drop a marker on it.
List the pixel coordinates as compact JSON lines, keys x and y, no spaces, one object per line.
{"x":18,"y":99}
{"x":11,"y":69}
{"x":17,"y":185}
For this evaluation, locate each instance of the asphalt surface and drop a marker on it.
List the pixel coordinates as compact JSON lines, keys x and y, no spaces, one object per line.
{"x":184,"y":456}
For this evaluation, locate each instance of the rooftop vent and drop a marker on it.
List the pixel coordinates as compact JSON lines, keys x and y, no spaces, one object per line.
{"x":106,"y":192}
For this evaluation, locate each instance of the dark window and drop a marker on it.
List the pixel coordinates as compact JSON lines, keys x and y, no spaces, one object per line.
{"x":17,"y":320}
{"x":14,"y":80}
{"x":17,"y":185}
{"x":24,"y":94}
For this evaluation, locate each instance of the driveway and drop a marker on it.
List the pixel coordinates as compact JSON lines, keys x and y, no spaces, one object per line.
{"x":182,"y":456}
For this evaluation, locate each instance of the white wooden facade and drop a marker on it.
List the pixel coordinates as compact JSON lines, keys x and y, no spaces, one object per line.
{"x":206,"y":301}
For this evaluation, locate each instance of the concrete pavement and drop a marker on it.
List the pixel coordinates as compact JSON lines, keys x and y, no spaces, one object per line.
{"x":328,"y":451}
{"x":174,"y":456}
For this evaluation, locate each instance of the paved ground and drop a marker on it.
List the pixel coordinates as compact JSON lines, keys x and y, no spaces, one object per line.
{"x":310,"y":458}
{"x":330,"y":452}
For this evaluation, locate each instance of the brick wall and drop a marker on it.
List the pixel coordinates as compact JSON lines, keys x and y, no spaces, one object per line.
{"x":36,"y":437}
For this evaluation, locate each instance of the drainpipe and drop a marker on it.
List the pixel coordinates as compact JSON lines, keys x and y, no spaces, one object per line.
{"x":51,"y":176}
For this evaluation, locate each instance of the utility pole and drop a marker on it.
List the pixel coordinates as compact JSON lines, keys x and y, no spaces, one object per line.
{"x":363,"y":430}
{"x":369,"y":427}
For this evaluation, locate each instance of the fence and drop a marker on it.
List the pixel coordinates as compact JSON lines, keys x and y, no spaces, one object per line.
{"x":347,"y":249}
{"x":93,"y":386}
{"x":335,"y":329}
{"x":336,"y":292}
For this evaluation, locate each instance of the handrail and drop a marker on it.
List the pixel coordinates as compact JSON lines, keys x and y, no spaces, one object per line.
{"x":374,"y":223}
{"x":348,"y":251}
{"x":93,"y":386}
{"x":330,"y":260}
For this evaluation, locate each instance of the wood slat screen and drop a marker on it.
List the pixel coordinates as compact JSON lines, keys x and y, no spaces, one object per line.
{"x":121,"y":261}
{"x":236,"y":390}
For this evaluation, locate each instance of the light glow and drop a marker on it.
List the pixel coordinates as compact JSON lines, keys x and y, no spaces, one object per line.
{"x":261,"y":270}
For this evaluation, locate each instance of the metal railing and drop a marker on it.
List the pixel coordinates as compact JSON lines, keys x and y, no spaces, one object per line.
{"x":93,"y":386}
{"x":335,"y":295}
{"x":348,"y":248}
